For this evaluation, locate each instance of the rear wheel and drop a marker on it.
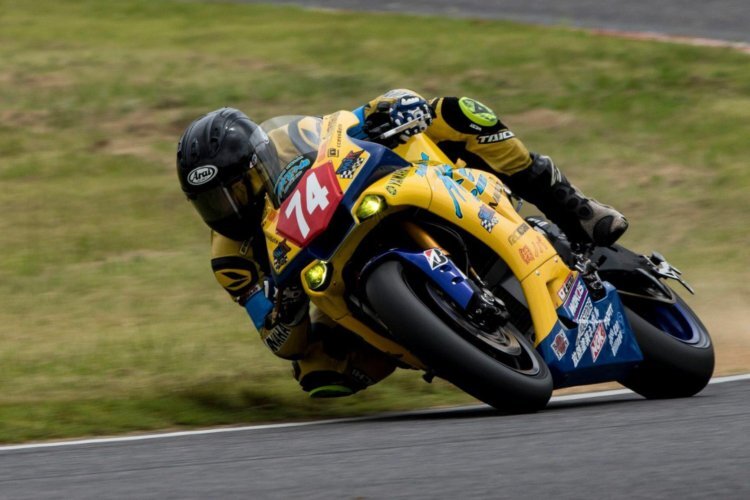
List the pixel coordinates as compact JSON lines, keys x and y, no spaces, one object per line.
{"x":499,"y":367}
{"x":677,"y":349}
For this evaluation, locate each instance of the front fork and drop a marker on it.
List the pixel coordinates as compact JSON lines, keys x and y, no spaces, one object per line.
{"x":486,"y":310}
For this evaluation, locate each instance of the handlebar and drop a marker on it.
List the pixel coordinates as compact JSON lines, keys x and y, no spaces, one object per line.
{"x":397,"y":130}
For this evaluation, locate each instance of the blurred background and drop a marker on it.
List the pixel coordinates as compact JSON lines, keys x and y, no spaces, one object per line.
{"x":110,"y":318}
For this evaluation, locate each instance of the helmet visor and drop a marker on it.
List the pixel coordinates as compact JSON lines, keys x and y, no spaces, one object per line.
{"x":223,"y":201}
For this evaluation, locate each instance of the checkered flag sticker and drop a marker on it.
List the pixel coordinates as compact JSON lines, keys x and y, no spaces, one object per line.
{"x":487,"y":218}
{"x":346,"y":174}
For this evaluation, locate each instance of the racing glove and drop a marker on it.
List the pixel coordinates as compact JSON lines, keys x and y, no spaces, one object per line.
{"x":392,"y":110}
{"x":291,"y":305}
{"x":406,"y":109}
{"x":269,"y":306}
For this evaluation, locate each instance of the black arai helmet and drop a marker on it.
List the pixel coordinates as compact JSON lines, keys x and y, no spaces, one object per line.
{"x":214,"y":158}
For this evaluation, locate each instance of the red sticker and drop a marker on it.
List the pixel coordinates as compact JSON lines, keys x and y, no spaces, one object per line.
{"x":309,"y":208}
{"x":600,"y":336}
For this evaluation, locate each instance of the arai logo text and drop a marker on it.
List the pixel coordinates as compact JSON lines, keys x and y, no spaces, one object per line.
{"x":202,"y":175}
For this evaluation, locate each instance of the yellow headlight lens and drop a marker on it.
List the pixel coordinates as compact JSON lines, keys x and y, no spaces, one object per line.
{"x":316,"y":275}
{"x":371,"y":205}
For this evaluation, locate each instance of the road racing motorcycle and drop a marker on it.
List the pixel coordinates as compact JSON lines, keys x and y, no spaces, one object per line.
{"x":431,"y":263}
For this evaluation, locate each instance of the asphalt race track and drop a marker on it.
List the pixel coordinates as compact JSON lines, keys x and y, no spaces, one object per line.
{"x":603,"y":447}
{"x":720,"y":19}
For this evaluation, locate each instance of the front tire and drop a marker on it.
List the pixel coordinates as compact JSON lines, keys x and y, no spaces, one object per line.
{"x":677,"y":350}
{"x":523,"y":384}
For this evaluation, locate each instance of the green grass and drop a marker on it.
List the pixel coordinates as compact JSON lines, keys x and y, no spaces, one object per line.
{"x":111,"y":320}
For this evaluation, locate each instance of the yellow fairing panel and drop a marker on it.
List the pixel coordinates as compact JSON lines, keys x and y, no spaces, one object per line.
{"x":476,"y":201}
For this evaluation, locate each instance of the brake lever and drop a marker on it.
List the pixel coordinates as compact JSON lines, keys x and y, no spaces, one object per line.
{"x":397,"y":130}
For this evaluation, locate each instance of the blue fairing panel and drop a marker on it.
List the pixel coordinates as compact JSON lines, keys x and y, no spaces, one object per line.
{"x":599,"y":346}
{"x":437,"y":267}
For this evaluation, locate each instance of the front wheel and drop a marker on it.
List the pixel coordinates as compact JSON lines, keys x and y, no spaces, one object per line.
{"x":677,"y":349}
{"x":500,"y":368}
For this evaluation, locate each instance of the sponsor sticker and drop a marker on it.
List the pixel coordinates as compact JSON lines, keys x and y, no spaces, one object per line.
{"x":455,"y":191}
{"x":615,"y":334}
{"x":202,"y":175}
{"x":408,"y":101}
{"x":520,"y":231}
{"x":608,"y":316}
{"x":501,"y":136}
{"x":236,"y":279}
{"x":435,"y":257}
{"x":278,"y":337}
{"x":477,"y":112}
{"x":526,"y":254}
{"x":560,"y":345}
{"x":587,"y":324}
{"x":576,"y":299}
{"x":597,"y":343}
{"x":350,"y":164}
{"x":480,"y":187}
{"x":582,"y":342}
{"x":497,"y":194}
{"x":280,"y":254}
{"x":396,"y":180}
{"x":564,"y":290}
{"x":290,"y":175}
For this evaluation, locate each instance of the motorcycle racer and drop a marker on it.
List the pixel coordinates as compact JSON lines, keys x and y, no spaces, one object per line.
{"x":220,"y":164}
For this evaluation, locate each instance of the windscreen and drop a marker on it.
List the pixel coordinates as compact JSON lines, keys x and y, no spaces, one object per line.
{"x":286,"y":146}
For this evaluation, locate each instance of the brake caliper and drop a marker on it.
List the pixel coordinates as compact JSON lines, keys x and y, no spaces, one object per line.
{"x":487,"y":311}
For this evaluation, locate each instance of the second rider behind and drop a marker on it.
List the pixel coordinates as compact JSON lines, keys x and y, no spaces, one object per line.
{"x":216,"y":162}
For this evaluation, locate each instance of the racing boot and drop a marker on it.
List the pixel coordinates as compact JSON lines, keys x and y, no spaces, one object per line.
{"x":339,"y":364}
{"x":582,"y":219}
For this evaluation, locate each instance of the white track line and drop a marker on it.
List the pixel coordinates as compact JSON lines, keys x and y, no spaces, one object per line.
{"x":166,"y":435}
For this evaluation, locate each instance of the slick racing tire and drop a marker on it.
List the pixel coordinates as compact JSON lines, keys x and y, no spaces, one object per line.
{"x":678,"y":356}
{"x":509,"y":376}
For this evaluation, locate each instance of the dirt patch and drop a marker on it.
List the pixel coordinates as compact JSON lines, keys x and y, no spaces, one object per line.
{"x":135,"y":133}
{"x":726,"y":320}
{"x":540,"y":118}
{"x":50,"y":80}
{"x":34,"y":120}
{"x":684,"y":40}
{"x":141,"y":123}
{"x":669,"y":174}
{"x":133,"y":147}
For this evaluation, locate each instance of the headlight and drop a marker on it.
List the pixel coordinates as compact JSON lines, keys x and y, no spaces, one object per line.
{"x":317,"y":276}
{"x":371,"y":204}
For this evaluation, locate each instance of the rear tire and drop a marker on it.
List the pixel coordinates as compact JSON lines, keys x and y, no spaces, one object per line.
{"x":412,"y":319}
{"x":672,"y":367}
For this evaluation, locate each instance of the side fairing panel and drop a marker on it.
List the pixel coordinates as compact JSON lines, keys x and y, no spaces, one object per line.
{"x":598,"y":344}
